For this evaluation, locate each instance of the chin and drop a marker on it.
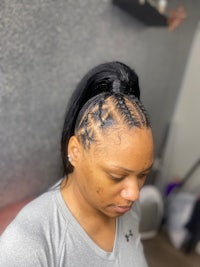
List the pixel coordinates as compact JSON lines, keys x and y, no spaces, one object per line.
{"x":112,"y":215}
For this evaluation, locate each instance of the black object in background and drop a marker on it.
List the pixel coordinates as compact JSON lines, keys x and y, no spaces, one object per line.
{"x":144,"y":13}
{"x":193,"y":226}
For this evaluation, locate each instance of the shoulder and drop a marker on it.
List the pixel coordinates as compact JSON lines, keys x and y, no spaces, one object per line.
{"x":37,"y":211}
{"x":39,"y":216}
{"x":28,"y":238}
{"x":19,"y":247}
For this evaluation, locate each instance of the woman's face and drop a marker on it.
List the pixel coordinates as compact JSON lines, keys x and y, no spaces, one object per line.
{"x":109,"y":175}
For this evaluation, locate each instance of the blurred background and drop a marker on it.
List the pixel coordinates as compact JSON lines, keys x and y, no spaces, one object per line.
{"x":46,"y":46}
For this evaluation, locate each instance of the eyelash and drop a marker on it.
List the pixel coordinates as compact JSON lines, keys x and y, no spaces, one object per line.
{"x":117,"y":179}
{"x":142,"y":176}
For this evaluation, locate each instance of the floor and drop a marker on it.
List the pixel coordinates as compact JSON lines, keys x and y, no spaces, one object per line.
{"x":160,"y":253}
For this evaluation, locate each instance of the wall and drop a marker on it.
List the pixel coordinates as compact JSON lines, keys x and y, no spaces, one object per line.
{"x":183,"y":148}
{"x":45,"y":48}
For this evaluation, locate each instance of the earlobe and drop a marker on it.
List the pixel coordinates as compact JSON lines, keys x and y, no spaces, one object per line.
{"x":74,"y":148}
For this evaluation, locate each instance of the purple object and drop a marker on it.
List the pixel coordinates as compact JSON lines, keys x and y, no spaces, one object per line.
{"x":171,"y":187}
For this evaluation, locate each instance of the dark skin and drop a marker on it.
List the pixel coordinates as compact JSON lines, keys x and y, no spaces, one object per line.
{"x":107,"y":179}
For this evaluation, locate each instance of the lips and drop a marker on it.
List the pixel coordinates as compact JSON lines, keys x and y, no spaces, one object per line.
{"x":122,"y":209}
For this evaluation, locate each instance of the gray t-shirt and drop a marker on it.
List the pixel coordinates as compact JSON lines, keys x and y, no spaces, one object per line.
{"x":46,"y":234}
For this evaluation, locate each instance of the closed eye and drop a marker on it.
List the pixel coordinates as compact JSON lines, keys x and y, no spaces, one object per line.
{"x":142,"y":175}
{"x":116,"y":178}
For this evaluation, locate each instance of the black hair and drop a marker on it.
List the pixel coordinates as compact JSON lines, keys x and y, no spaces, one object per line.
{"x":109,"y":84}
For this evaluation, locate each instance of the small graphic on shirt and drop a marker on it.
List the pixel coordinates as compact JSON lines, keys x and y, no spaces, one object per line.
{"x":129,"y":235}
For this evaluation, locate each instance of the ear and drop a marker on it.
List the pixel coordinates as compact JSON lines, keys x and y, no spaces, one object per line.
{"x":74,"y":150}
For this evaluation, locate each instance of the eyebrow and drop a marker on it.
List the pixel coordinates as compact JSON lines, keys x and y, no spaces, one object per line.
{"x":127,"y":170}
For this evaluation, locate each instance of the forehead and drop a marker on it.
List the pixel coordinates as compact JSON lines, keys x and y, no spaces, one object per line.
{"x":129,"y":148}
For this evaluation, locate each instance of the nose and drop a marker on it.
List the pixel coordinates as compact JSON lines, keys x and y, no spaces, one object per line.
{"x":131,"y":189}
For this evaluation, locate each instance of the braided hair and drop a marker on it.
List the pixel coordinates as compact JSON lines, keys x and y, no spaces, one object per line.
{"x":107,"y":95}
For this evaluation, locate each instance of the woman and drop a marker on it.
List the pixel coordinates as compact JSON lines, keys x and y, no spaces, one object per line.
{"x":91,"y":217}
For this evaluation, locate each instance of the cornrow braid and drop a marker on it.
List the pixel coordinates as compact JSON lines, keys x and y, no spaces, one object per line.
{"x":141,"y":111}
{"x":92,"y":115}
{"x":88,"y":134}
{"x":100,"y":112}
{"x":143,"y":114}
{"x":104,"y":111}
{"x":125,"y":111}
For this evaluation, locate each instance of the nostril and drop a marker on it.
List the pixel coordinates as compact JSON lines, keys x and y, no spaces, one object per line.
{"x":130,"y":194}
{"x":124,"y":193}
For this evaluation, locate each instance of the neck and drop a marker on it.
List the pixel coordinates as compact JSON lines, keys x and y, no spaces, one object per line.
{"x":98,"y":226}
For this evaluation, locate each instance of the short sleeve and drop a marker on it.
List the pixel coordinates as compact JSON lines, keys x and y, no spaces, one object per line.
{"x":19,"y":248}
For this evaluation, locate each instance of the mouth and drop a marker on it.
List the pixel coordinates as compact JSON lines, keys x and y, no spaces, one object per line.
{"x":122,"y":209}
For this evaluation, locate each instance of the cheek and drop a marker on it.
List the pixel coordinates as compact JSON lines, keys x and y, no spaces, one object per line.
{"x":103,"y":191}
{"x":100,"y":195}
{"x":106,"y":191}
{"x":141,"y":183}
{"x":99,"y":190}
